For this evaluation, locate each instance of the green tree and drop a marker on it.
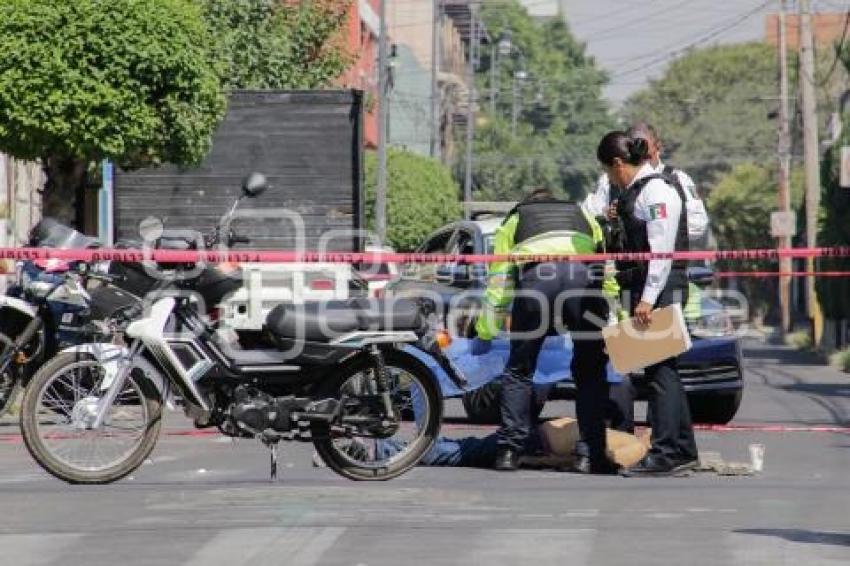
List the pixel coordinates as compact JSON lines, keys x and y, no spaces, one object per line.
{"x":834,"y":293}
{"x":270,"y":44}
{"x":421,"y":197}
{"x":561,"y":111}
{"x":740,"y":206}
{"x":712,"y":108}
{"x":132,"y":81}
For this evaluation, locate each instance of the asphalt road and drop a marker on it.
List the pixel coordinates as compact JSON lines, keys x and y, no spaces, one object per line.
{"x":205,"y":501}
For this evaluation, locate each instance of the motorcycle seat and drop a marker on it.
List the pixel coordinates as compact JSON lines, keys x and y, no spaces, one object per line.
{"x":328,"y":320}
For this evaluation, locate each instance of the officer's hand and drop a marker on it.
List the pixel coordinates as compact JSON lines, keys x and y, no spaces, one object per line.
{"x":643,"y":313}
{"x":480,"y":347}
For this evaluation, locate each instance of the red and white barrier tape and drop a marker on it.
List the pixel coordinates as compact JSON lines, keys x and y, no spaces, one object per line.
{"x":728,"y":274}
{"x":248,"y":256}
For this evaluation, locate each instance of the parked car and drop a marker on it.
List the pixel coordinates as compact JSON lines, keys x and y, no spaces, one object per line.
{"x":711,"y":371}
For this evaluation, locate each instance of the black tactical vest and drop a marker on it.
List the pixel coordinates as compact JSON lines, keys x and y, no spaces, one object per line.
{"x":632,"y":274}
{"x":540,"y":217}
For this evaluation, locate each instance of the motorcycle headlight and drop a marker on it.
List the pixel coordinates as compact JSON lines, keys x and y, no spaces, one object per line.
{"x":101,"y":267}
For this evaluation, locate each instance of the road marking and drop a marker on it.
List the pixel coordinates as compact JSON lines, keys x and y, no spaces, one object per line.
{"x":296,"y":546}
{"x":39,"y":549}
{"x":541,"y":547}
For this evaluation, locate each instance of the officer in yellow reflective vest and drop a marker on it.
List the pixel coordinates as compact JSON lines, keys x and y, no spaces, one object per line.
{"x":544,"y":299}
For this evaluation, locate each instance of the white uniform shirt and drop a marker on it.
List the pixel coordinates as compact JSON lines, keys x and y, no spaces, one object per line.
{"x":599,"y":200}
{"x":660,"y":206}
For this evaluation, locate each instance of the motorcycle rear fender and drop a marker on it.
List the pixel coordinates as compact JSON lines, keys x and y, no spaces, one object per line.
{"x":110,"y":356}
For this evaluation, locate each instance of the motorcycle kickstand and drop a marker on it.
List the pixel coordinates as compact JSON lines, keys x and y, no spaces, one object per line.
{"x":273,"y":451}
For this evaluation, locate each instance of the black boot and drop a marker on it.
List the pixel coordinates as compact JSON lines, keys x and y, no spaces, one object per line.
{"x":507,"y":459}
{"x":652,"y":465}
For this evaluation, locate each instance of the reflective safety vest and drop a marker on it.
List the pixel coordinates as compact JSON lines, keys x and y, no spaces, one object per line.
{"x":549,"y":227}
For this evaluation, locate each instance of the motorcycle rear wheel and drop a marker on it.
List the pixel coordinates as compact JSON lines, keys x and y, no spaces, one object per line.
{"x":414,"y":392}
{"x":60,"y":399}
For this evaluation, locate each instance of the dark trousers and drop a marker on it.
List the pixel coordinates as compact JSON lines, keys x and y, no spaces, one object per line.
{"x":552,"y":298}
{"x":669,"y":414}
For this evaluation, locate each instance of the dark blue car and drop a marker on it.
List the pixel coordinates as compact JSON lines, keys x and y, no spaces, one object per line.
{"x":711,"y":371}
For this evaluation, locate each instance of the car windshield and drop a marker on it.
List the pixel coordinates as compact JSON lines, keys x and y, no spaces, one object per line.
{"x":489,"y":243}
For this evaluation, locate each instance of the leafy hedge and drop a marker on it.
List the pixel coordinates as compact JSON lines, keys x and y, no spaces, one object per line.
{"x":421,"y":197}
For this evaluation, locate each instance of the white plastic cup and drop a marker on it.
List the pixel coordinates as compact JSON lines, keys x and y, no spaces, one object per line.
{"x":757,"y":457}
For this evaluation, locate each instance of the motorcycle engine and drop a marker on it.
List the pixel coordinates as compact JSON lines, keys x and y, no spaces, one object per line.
{"x":254,"y":411}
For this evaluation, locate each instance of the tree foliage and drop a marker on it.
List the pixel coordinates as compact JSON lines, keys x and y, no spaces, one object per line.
{"x":421,"y":197}
{"x":133,"y":81}
{"x":93,"y":78}
{"x":561,"y":111}
{"x":713,"y":108}
{"x":740,"y":207}
{"x":271,"y":44}
{"x":834,"y":293}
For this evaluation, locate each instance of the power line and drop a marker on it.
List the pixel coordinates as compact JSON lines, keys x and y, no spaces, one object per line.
{"x":732,"y":23}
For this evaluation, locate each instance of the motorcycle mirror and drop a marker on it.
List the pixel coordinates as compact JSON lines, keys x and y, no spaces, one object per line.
{"x":254,"y":185}
{"x":151,"y":229}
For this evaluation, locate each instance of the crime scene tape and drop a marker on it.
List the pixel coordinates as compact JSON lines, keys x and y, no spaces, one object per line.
{"x":270,"y":256}
{"x":728,"y":274}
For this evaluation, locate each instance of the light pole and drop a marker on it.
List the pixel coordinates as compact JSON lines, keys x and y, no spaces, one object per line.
{"x":474,"y":38}
{"x":520,"y":77}
{"x":383,"y":120}
{"x":503,"y":48}
{"x":436,"y":55}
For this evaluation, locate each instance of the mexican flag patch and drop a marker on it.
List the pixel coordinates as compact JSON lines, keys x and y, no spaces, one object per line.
{"x":658,"y":211}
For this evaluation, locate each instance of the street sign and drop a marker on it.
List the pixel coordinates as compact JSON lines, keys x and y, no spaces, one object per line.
{"x":844,"y":178}
{"x":783,"y":224}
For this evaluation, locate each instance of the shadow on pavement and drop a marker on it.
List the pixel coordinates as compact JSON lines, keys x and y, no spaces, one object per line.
{"x":801,"y":535}
{"x":782,"y":356}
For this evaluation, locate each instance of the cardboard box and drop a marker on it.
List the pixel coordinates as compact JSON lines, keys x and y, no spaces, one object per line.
{"x":633,"y":346}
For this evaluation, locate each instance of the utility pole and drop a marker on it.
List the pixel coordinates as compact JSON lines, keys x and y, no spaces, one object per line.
{"x":784,"y":167}
{"x":436,"y":55}
{"x":811,"y":156}
{"x":470,"y":110}
{"x":383,"y":122}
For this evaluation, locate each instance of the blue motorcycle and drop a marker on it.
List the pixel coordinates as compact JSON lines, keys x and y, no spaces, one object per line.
{"x":50,"y":308}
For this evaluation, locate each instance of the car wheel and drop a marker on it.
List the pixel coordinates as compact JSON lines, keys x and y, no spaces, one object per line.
{"x":715,"y":408}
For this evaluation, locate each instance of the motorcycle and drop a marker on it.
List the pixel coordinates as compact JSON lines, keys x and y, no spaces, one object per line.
{"x":338,"y":374}
{"x":48,"y":308}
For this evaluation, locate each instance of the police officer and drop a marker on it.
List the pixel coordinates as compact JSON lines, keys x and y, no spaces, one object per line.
{"x":546,"y":298}
{"x":603,"y":202}
{"x":654,"y":220}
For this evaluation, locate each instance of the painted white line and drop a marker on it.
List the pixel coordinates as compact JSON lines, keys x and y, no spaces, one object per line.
{"x":297,"y":546}
{"x":541,"y":547}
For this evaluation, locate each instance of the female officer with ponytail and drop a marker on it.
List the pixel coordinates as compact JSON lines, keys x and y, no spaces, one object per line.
{"x":654,"y":220}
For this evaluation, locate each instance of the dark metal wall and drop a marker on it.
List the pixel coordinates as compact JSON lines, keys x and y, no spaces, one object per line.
{"x":309,"y":144}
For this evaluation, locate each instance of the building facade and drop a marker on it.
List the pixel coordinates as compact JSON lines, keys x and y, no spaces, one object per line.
{"x":414,"y":125}
{"x":361,"y":39}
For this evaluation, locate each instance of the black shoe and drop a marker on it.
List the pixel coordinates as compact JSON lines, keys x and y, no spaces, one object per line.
{"x":605,"y":468}
{"x":507,"y":460}
{"x":652,"y":465}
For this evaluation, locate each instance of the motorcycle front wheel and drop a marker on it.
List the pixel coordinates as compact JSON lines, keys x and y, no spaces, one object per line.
{"x":58,"y":407}
{"x":371,"y":451}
